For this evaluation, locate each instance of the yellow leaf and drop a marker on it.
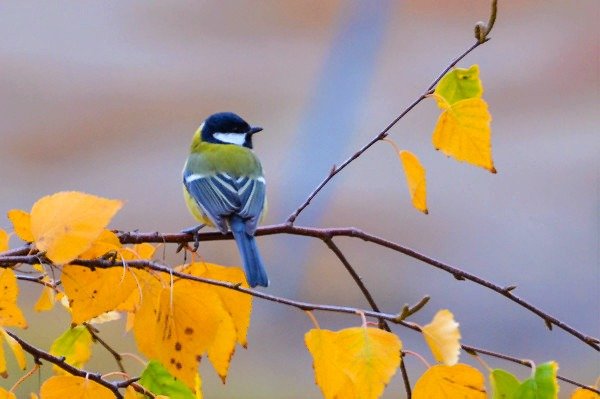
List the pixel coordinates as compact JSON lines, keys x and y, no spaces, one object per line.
{"x":443,"y":337}
{"x":105,"y":243}
{"x":10,"y":314}
{"x":21,"y":222}
{"x":75,"y":345}
{"x":354,"y":363}
{"x":581,"y":393}
{"x":47,"y":298}
{"x":130,"y":393}
{"x":198,"y":387}
{"x":4,"y":394}
{"x":238,"y":305}
{"x":66,"y":224}
{"x":415,"y":178}
{"x":16,"y":349}
{"x":94,"y":292}
{"x":4,"y":237}
{"x":68,"y":386}
{"x":449,"y":382}
{"x":177,"y":324}
{"x":131,"y":303}
{"x":139,"y":251}
{"x":463,"y":132}
{"x":38,"y":268}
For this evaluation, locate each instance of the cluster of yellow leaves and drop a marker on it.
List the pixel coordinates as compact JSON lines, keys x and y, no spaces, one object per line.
{"x":462,"y":131}
{"x":175,"y":321}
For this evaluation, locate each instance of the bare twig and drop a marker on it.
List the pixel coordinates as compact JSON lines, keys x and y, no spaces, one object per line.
{"x":94,"y":333}
{"x":143,"y":264}
{"x":325,"y":233}
{"x":363,"y":288}
{"x":523,"y":362}
{"x":39,"y":354}
{"x":380,"y":136}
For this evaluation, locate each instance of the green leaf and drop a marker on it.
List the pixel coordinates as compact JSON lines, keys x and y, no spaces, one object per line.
{"x":460,"y":84}
{"x":504,"y":384}
{"x":157,"y":380}
{"x":75,"y":345}
{"x":542,"y":385}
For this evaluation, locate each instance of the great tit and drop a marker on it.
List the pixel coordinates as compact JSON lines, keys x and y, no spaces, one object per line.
{"x":224,"y":186}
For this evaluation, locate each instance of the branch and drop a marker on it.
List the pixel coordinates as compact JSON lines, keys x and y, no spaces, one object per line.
{"x":60,"y":362}
{"x":328,"y":233}
{"x":522,"y":362}
{"x":383,"y":134}
{"x":363,"y":288}
{"x":94,"y":333}
{"x":143,"y":264}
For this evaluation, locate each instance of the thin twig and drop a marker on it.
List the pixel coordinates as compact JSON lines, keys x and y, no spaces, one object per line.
{"x":324,"y":233}
{"x":380,"y":136}
{"x":142,"y":264}
{"x":118,"y":358}
{"x":523,"y":362}
{"x":60,"y":362}
{"x":367,"y":294}
{"x":357,"y":279}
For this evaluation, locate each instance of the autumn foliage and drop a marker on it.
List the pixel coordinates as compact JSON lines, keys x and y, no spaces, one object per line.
{"x":181,"y":314}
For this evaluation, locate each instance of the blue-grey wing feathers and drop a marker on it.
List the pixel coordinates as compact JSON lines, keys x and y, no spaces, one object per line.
{"x":222,"y":195}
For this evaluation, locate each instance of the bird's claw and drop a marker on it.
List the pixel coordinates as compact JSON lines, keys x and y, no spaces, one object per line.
{"x":195,"y":232}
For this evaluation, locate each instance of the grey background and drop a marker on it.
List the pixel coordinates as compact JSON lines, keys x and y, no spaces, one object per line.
{"x":103,"y":97}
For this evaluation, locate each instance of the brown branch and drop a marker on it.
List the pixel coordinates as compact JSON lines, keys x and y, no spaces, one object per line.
{"x":363,"y":288}
{"x":380,"y":136}
{"x":328,"y":233}
{"x":522,"y":362}
{"x":142,"y":264}
{"x":118,"y":358}
{"x":60,"y":362}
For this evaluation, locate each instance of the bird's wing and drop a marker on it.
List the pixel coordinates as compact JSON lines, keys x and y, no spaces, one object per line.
{"x":252,"y":193}
{"x":217,"y":196}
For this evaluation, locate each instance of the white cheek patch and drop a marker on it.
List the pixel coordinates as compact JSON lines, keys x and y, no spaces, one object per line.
{"x":231,"y":138}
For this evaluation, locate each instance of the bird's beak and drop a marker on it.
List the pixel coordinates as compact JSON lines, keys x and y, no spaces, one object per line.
{"x":255,"y":129}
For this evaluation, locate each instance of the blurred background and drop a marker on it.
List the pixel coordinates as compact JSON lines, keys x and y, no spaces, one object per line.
{"x":104,"y":97}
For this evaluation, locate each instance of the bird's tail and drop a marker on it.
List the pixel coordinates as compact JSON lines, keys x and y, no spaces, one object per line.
{"x":253,"y":265}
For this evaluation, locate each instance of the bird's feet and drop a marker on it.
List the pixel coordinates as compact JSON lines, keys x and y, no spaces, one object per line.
{"x":195,"y":232}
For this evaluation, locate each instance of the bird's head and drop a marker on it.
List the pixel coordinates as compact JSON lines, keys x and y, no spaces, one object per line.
{"x":227,"y":128}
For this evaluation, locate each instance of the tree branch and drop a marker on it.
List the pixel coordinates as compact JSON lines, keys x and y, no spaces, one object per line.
{"x":380,"y":136}
{"x":328,"y":233}
{"x":60,"y":362}
{"x":522,"y":362}
{"x":143,"y":264}
{"x":94,"y":333}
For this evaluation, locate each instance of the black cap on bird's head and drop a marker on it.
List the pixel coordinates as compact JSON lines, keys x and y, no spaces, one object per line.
{"x":228,"y":128}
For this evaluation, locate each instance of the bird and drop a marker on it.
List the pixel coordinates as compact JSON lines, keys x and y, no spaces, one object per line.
{"x":224,"y":186}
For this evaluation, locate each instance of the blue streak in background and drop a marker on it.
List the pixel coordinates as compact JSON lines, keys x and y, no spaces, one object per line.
{"x":324,"y":136}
